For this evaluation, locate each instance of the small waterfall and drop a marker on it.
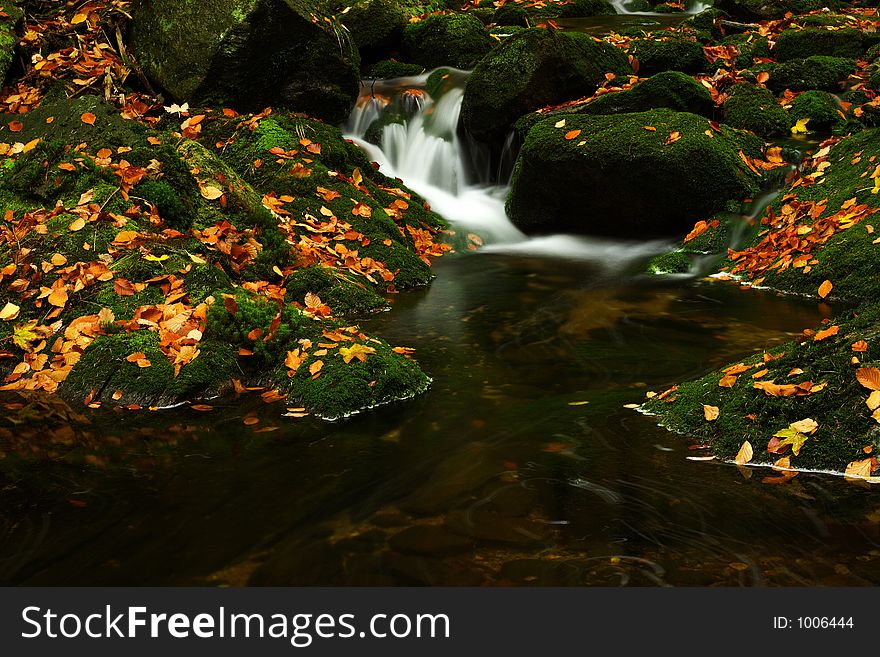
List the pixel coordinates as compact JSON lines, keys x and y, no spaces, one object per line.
{"x":638,"y":6}
{"x":409,"y":126}
{"x":421,"y":146}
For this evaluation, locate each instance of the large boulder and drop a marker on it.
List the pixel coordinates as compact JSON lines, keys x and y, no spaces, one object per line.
{"x":817,"y":72}
{"x":670,"y":89}
{"x":770,"y":9}
{"x":458,"y":40}
{"x":656,"y":56}
{"x":8,"y":39}
{"x":800,"y":44}
{"x":249,"y":54}
{"x":754,"y":108}
{"x":531,"y":70}
{"x":630,"y":175}
{"x":376,"y":26}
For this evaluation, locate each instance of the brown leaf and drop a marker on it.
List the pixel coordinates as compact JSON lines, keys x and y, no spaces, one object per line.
{"x":869,"y":377}
{"x":88,"y":118}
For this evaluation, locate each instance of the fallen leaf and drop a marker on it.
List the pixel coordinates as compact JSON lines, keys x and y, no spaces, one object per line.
{"x":826,"y":333}
{"x":807,"y":425}
{"x":825,"y":289}
{"x":710,"y":412}
{"x":860,"y":347}
{"x":873,"y":400}
{"x":869,"y":377}
{"x":10,"y":311}
{"x":572,"y":135}
{"x":88,"y":118}
{"x":745,"y":453}
{"x":859,"y":469}
{"x":211,"y":193}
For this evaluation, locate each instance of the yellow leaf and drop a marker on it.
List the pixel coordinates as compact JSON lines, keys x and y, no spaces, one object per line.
{"x":315,"y":367}
{"x":858,"y":469}
{"x":10,"y":311}
{"x":873,"y":400}
{"x":745,"y":453}
{"x":153,"y":258}
{"x":58,"y":260}
{"x":358,"y":351}
{"x":710,"y":412}
{"x":78,"y":224}
{"x":560,"y":124}
{"x":800,"y":127}
{"x":79,"y":18}
{"x":807,"y":425}
{"x":211,"y":193}
{"x":197,"y":259}
{"x":58,"y":297}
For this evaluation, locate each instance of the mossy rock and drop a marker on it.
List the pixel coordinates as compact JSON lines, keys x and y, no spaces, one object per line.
{"x":753,"y":108}
{"x":615,"y":177}
{"x":770,"y":9}
{"x":458,"y":40}
{"x":531,"y":70}
{"x":248,"y":54}
{"x":845,"y":428}
{"x":750,"y":46}
{"x":376,"y":26}
{"x":581,"y":9}
{"x":818,"y":72}
{"x":848,"y":258}
{"x":342,"y":292}
{"x":706,"y":22}
{"x":511,"y":15}
{"x":800,"y":44}
{"x":674,"y":262}
{"x":8,"y":37}
{"x":820,"y":108}
{"x":671,"y":89}
{"x":390,"y":69}
{"x":656,"y":56}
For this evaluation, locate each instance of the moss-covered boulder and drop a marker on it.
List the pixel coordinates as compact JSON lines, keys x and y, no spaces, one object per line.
{"x":754,"y":108}
{"x":389,"y":69}
{"x":8,"y":39}
{"x":656,"y":56}
{"x":249,"y":54}
{"x":821,"y":109}
{"x":457,"y":40}
{"x":376,"y":26}
{"x":816,"y":72}
{"x":580,"y":9}
{"x":770,"y":9}
{"x":531,"y":70}
{"x":511,"y":15}
{"x":627,"y":175}
{"x":800,"y":44}
{"x":763,"y":396}
{"x":671,"y":89}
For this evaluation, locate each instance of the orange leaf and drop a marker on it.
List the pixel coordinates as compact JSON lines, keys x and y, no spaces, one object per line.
{"x":572,"y":135}
{"x":860,"y":347}
{"x":88,"y":118}
{"x":650,"y":128}
{"x":16,"y":126}
{"x":869,"y":377}
{"x":826,"y":333}
{"x":825,"y":289}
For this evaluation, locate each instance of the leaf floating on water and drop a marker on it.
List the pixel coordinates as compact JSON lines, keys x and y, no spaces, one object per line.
{"x":578,"y":403}
{"x":745,"y":453}
{"x":825,"y":288}
{"x":202,"y":407}
{"x":869,"y":377}
{"x":710,"y":412}
{"x":631,"y":406}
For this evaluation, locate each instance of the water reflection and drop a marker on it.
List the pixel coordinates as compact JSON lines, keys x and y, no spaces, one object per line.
{"x":519,"y":467}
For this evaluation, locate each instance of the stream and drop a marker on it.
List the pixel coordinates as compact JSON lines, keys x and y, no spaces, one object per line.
{"x":520,"y":466}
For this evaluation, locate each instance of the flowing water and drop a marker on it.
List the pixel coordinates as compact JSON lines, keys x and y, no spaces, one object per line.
{"x":520,"y":466}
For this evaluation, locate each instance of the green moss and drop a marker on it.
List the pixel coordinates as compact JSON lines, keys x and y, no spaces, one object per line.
{"x":8,"y":38}
{"x":800,"y":44}
{"x":583,"y":9}
{"x":343,"y":293}
{"x":845,"y":423}
{"x":458,"y":40}
{"x":817,"y":72}
{"x":575,"y":185}
{"x":389,"y":69}
{"x":754,"y":108}
{"x":531,"y":70}
{"x":346,"y":387}
{"x":820,"y":108}
{"x":749,"y":46}
{"x":674,"y":262}
{"x":771,"y":9}
{"x":374,"y":25}
{"x":656,"y":56}
{"x":511,"y":15}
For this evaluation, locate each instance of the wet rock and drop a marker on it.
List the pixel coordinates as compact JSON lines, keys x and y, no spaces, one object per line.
{"x":250,"y":55}
{"x":817,"y":72}
{"x":299,"y":563}
{"x":531,"y":70}
{"x":542,"y":572}
{"x":454,"y":478}
{"x":487,"y":526}
{"x":609,"y":175}
{"x":669,"y":55}
{"x":429,"y":540}
{"x":770,"y":9}
{"x":376,"y":26}
{"x":803,"y":43}
{"x":429,"y":571}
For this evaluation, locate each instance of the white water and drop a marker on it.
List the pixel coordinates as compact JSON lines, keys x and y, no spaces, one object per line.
{"x":428,"y":155}
{"x":629,"y":7}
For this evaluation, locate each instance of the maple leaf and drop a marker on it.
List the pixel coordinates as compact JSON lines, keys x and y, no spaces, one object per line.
{"x":24,"y":334}
{"x":356,"y":350}
{"x":789,"y":436}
